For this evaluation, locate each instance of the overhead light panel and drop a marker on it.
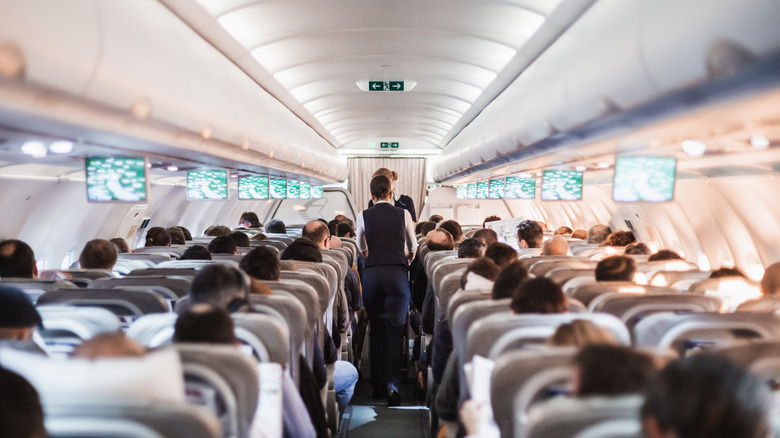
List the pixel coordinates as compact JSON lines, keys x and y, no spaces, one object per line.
{"x":694,"y":148}
{"x":61,"y":147}
{"x":760,"y":142}
{"x":35,"y":149}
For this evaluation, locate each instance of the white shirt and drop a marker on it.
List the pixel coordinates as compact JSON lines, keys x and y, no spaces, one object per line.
{"x":411,"y":240}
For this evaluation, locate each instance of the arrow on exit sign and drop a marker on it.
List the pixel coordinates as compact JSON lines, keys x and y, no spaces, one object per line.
{"x":385,"y":86}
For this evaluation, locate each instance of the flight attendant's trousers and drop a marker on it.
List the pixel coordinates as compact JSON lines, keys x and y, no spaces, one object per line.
{"x":386,"y":297}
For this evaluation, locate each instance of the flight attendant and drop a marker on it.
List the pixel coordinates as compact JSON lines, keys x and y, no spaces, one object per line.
{"x":402,"y":201}
{"x":385,"y":237}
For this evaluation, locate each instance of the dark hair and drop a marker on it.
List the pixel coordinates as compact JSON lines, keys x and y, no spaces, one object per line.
{"x":598,"y":233}
{"x":21,"y":414}
{"x":501,"y":253}
{"x":508,"y":280}
{"x":483,"y":266}
{"x":177,"y":236}
{"x":222,"y":245}
{"x":579,"y":234}
{"x":616,"y":268}
{"x":418,"y":227}
{"x":538,"y":295}
{"x":707,"y":396}
{"x":612,"y":370}
{"x":427,"y":227}
{"x":275,"y":227}
{"x":637,"y":248}
{"x":315,"y":231}
{"x":621,"y":238}
{"x":472,"y":249}
{"x":302,"y":249}
{"x":261,"y":263}
{"x":380,"y":186}
{"x":120,"y":244}
{"x":727,"y":272}
{"x":186,"y":232}
{"x":250,"y":217}
{"x":491,"y":218}
{"x":259,"y":236}
{"x":344,"y":229}
{"x":205,"y":324}
{"x":98,"y":254}
{"x":453,"y":228}
{"x":487,"y":235}
{"x":448,"y":243}
{"x":217,"y":230}
{"x":157,"y":236}
{"x":664,"y":254}
{"x":436,"y":218}
{"x":562,"y":231}
{"x":531,"y":232}
{"x":333,"y":227}
{"x":17,"y":259}
{"x":196,"y":252}
{"x":240,"y":238}
{"x":219,"y":285}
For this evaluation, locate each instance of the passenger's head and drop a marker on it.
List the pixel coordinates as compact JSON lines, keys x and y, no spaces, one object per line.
{"x":217,"y":230}
{"x":317,"y":232}
{"x":439,"y":240}
{"x":261,"y":263}
{"x":333,"y":227}
{"x":203,"y":323}
{"x":302,"y":249}
{"x":579,"y":234}
{"x":704,"y":396}
{"x":241,"y":239}
{"x":275,"y":226}
{"x":529,"y":234}
{"x":727,"y":272}
{"x":621,"y":238}
{"x":563,"y":231}
{"x":472,"y":249}
{"x":598,"y":233}
{"x":259,"y":236}
{"x":158,"y":236}
{"x":453,"y":228}
{"x":611,"y":370}
{"x":186,"y":232}
{"x":637,"y":248}
{"x":249,"y":219}
{"x":381,"y":188}
{"x":345,"y":230}
{"x":109,"y":345}
{"x":222,"y":245}
{"x":485,"y":269}
{"x":487,"y":235}
{"x":664,"y":254}
{"x":18,"y":315}
{"x":616,"y":268}
{"x":501,"y":253}
{"x":491,"y":218}
{"x":220,"y":285}
{"x":538,"y":295}
{"x":21,"y":415}
{"x":427,"y":227}
{"x":177,"y":236}
{"x":436,"y":218}
{"x":579,"y":333}
{"x":770,"y":282}
{"x":508,"y":280}
{"x":98,"y":254}
{"x":17,"y":260}
{"x":196,"y":252}
{"x":120,"y":244}
{"x":556,"y":245}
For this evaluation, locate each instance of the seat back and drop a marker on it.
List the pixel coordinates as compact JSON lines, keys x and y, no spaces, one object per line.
{"x":466,"y":296}
{"x":632,"y":308}
{"x":188,"y":271}
{"x":544,"y":264}
{"x":267,"y":335}
{"x":233,"y":257}
{"x":65,"y":327}
{"x":588,"y":417}
{"x":191,"y":264}
{"x":169,"y":287}
{"x":448,"y":286}
{"x":151,"y":259}
{"x":274,"y":244}
{"x":306,"y":294}
{"x":127,"y":304}
{"x":430,"y":258}
{"x":34,"y":288}
{"x":767,"y":303}
{"x":467,"y":314}
{"x":443,"y":268}
{"x":732,"y":290}
{"x":562,"y":275}
{"x":681,"y":280}
{"x":587,"y":292}
{"x":322,"y":277}
{"x":175,"y":251}
{"x":293,"y":313}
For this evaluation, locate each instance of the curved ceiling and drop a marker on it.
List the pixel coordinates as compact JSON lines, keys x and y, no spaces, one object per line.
{"x":317,"y":58}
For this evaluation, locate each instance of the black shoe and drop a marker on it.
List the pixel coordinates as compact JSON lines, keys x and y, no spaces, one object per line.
{"x":393,"y":398}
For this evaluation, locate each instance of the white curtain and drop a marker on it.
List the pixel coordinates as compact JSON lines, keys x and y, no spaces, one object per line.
{"x":411,"y":178}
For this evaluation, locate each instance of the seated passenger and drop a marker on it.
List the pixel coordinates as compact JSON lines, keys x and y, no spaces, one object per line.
{"x":345,"y":220}
{"x":259,"y":236}
{"x":453,"y":228}
{"x":275,"y":226}
{"x":508,"y":280}
{"x":538,"y":295}
{"x":579,"y":333}
{"x":427,"y":227}
{"x":121,"y":245}
{"x":479,"y":274}
{"x":556,"y":246}
{"x":345,"y":230}
{"x":706,"y":396}
{"x":333,"y":227}
{"x":217,"y":230}
{"x":222,"y":245}
{"x":18,"y":315}
{"x":491,"y":218}
{"x":177,"y":236}
{"x":109,"y":345}
{"x":616,"y":268}
{"x":302,"y":249}
{"x":579,"y":234}
{"x":637,"y":248}
{"x":664,"y":254}
{"x":261,"y":263}
{"x":17,"y":260}
{"x":196,"y":252}
{"x":563,"y":231}
{"x":158,"y":236}
{"x":318,"y":233}
{"x":530,"y":234}
{"x":436,"y":218}
{"x":249,"y":219}
{"x":21,"y":415}
{"x":471,"y":249}
{"x":770,"y":282}
{"x":220,"y":285}
{"x":611,"y":370}
{"x":727,"y":272}
{"x":98,"y":254}
{"x":422,"y":293}
{"x":241,"y":240}
{"x":487,"y":235}
{"x":501,"y":253}
{"x":598,"y":234}
{"x":621,"y":238}
{"x":186,"y":232}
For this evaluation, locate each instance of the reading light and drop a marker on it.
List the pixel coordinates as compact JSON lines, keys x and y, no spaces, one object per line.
{"x":580,"y":168}
{"x":61,"y":147}
{"x":694,"y":148}
{"x":172,"y":168}
{"x":35,"y":149}
{"x":759,"y":142}
{"x":603,"y":165}
{"x":234,"y":175}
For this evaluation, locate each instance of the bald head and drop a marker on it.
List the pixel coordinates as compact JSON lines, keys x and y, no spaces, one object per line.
{"x":557,"y":245}
{"x":317,"y":232}
{"x":770,"y":283}
{"x":439,"y":239}
{"x":109,"y":345}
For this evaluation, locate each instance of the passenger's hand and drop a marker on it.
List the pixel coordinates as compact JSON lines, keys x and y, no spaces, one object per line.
{"x":471,"y":414}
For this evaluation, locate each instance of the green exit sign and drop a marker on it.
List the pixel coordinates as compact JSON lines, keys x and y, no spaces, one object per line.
{"x":385,"y":85}
{"x":394,"y":145}
{"x":384,"y":145}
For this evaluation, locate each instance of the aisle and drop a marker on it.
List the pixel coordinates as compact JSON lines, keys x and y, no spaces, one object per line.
{"x":370,"y":418}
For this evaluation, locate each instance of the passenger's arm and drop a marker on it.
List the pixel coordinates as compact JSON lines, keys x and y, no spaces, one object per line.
{"x":411,"y":238}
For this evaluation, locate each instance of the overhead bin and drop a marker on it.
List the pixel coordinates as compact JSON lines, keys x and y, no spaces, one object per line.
{"x":138,"y":54}
{"x":619,"y":55}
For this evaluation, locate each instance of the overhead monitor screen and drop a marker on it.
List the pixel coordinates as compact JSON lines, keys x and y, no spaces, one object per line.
{"x":293,"y":189}
{"x":207,"y":184}
{"x":520,"y":188}
{"x":278,"y":188}
{"x":253,"y":187}
{"x":648,"y":179}
{"x":305,"y":190}
{"x":496,"y":190}
{"x":462,"y":192}
{"x":561,"y":185}
{"x":482,"y":189}
{"x":116,"y":179}
{"x":471,"y":191}
{"x":316,"y":191}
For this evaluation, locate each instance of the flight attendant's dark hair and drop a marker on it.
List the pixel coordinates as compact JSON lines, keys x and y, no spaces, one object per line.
{"x":380,"y":186}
